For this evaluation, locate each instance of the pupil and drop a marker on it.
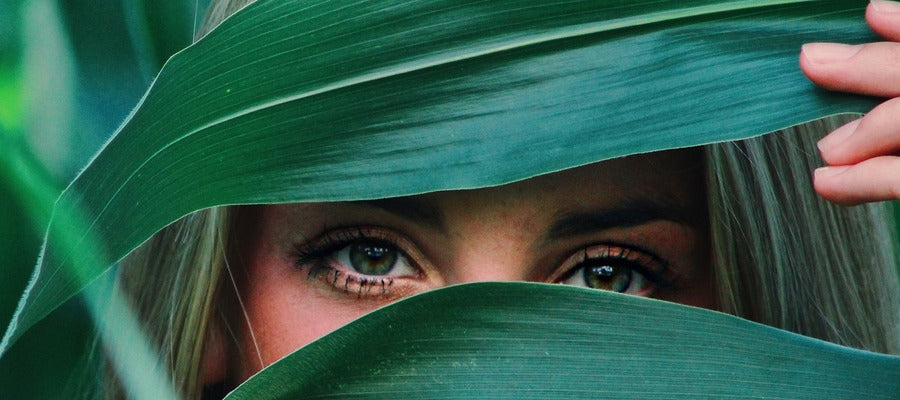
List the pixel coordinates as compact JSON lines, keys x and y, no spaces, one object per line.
{"x":607,"y":277}
{"x":375,"y":252}
{"x":372,"y":258}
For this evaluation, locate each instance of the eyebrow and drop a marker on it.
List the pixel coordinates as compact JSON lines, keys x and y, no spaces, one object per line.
{"x":567,"y":224}
{"x":571,"y":224}
{"x":411,"y":209}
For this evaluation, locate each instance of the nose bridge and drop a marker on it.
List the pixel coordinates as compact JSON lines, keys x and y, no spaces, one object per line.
{"x":483,"y":272}
{"x":495,"y":258}
{"x":492,"y":231}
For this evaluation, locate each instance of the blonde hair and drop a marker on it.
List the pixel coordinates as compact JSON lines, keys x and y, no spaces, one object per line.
{"x":784,"y":257}
{"x":173,"y":283}
{"x":781,"y":255}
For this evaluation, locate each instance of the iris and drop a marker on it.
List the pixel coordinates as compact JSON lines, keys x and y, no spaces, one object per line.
{"x":373,"y":258}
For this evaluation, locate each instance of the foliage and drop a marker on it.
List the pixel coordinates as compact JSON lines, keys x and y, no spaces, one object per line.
{"x":364,"y":102}
{"x":537,"y":341}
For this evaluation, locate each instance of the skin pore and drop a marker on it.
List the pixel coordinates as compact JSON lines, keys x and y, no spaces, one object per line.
{"x":636,"y":225}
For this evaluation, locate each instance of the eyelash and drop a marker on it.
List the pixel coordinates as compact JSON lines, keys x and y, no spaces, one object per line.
{"x":317,"y":256}
{"x":638,"y":260}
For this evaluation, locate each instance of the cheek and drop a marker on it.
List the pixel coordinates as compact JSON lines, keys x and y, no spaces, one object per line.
{"x":284,"y":311}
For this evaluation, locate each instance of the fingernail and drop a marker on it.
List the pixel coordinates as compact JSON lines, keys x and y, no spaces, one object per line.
{"x":828,"y":172}
{"x":885,"y":6}
{"x":840,"y":135}
{"x":821,"y":53}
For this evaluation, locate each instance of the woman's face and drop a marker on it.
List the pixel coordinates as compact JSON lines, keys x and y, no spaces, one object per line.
{"x":635,"y":225}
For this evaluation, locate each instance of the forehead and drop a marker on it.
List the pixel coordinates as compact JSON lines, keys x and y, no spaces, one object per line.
{"x":671,"y":179}
{"x":665,"y":185}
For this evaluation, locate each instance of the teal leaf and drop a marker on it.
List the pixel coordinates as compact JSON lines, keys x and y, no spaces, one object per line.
{"x":293,"y":101}
{"x":536,"y":341}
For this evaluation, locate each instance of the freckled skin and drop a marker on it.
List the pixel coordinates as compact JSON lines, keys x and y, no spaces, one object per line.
{"x":491,"y":234}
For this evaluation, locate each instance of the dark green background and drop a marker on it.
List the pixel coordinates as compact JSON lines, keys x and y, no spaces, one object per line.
{"x":114,"y":50}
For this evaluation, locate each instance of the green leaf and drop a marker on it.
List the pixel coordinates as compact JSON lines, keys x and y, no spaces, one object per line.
{"x":298,"y":101}
{"x":536,"y":341}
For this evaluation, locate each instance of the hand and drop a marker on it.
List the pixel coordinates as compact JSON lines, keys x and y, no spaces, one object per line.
{"x":863,"y":156}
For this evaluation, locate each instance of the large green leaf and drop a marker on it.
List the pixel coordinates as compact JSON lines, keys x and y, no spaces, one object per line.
{"x":537,"y":341}
{"x":303,"y":101}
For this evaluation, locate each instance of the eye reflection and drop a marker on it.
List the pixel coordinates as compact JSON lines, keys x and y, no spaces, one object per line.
{"x":356,"y":260}
{"x":614,"y":268}
{"x":608,"y":277}
{"x":369,"y":257}
{"x":358,"y":250}
{"x":359,"y":260}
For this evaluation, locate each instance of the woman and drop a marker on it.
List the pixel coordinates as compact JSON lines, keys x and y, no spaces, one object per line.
{"x":252,"y":281}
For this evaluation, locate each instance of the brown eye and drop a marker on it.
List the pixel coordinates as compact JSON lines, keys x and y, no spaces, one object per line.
{"x":372,"y":258}
{"x":613,"y":268}
{"x":607,"y":277}
{"x":614,"y":275}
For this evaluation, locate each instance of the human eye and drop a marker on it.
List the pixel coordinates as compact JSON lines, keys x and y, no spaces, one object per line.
{"x":616,"y":268}
{"x":360,"y":261}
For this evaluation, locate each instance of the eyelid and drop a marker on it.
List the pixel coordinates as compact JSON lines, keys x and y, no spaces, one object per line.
{"x":334,"y":239}
{"x":317,"y":256}
{"x":653,"y":268}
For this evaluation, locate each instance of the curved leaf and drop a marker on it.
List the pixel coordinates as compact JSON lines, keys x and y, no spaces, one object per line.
{"x":302,"y":101}
{"x":536,"y":341}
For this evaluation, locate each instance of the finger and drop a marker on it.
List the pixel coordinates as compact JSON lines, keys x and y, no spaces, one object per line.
{"x":876,"y":179}
{"x":884,"y":18}
{"x":872,"y":68}
{"x":876,"y":134}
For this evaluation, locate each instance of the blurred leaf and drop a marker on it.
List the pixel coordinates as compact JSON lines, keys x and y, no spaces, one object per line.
{"x":54,"y":360}
{"x":9,"y":25}
{"x":10,"y":101}
{"x":536,"y":341}
{"x":56,"y":349}
{"x":49,"y":76}
{"x":69,"y":342}
{"x":24,"y":212}
{"x":291,"y":101}
{"x":118,"y":47}
{"x":73,"y":64}
{"x":159,"y":28}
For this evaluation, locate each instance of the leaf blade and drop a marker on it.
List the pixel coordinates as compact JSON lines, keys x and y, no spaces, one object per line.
{"x":384,"y":137}
{"x":534,"y":341}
